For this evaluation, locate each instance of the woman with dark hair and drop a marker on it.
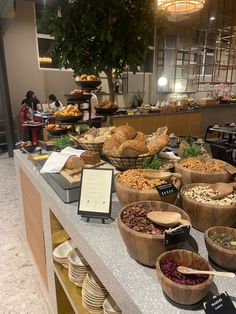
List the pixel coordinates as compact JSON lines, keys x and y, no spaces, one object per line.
{"x":54,"y":103}
{"x":31,"y":101}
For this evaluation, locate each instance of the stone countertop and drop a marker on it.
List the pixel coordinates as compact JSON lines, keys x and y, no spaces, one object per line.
{"x":134,"y":287}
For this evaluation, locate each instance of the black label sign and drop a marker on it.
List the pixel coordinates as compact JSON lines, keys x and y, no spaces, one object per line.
{"x":220,"y":305}
{"x":166,"y":189}
{"x":176,"y":235}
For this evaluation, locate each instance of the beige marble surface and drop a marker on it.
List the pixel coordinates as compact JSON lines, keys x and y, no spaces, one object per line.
{"x":20,"y":289}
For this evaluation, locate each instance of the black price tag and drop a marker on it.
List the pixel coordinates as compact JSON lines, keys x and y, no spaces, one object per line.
{"x":166,"y":189}
{"x":221,"y":304}
{"x":176,"y":235}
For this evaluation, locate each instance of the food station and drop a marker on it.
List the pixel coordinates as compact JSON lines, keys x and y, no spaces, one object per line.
{"x":122,"y":225}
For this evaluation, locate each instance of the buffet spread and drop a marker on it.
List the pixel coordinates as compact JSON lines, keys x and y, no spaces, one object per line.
{"x":194,"y":202}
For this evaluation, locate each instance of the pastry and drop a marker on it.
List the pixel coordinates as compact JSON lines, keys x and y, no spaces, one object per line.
{"x":90,"y":157}
{"x":91,"y":78}
{"x":74,"y":162}
{"x":132,"y":148}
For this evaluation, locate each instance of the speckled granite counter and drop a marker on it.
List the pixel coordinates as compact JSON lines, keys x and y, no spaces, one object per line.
{"x":134,"y":287}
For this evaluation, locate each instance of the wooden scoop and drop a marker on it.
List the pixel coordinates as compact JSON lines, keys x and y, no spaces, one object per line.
{"x":233,"y":243}
{"x":189,"y":271}
{"x":165,"y":175}
{"x":167,"y":219}
{"x":224,"y":189}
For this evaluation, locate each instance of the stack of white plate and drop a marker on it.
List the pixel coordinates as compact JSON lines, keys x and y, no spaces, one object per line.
{"x":61,"y":252}
{"x":93,"y":294}
{"x":78,"y":267}
{"x":110,"y":306}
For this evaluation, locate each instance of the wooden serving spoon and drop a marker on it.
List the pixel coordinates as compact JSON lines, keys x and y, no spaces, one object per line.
{"x":224,"y":189}
{"x":165,"y":175}
{"x":191,"y":271}
{"x":167,"y":219}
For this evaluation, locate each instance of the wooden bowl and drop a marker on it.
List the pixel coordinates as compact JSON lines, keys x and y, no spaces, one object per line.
{"x":204,"y":216}
{"x":145,"y":248}
{"x":225,"y":258}
{"x":128,"y":195}
{"x":192,"y":176}
{"x":184,"y":294}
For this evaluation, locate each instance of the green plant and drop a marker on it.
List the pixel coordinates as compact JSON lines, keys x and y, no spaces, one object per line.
{"x":92,"y":36}
{"x":62,"y":142}
{"x":152,"y":163}
{"x":193,"y":151}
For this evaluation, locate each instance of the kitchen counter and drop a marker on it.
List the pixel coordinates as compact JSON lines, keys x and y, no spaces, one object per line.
{"x":134,"y":287}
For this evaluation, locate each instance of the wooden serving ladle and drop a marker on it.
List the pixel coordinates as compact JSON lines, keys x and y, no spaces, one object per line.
{"x":191,"y":271}
{"x":223,"y":189}
{"x":167,"y":219}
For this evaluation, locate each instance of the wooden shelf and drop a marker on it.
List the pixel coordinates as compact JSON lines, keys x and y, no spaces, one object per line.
{"x":73,"y":293}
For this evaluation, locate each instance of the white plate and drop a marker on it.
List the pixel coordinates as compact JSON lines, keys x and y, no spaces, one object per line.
{"x":110,"y":306}
{"x":63,"y":250}
{"x":76,"y":259}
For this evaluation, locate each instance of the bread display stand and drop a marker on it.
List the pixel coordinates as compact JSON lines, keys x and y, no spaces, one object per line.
{"x":133,"y":287}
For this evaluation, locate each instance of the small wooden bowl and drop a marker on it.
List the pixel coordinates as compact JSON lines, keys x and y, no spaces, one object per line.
{"x":193,"y":176}
{"x":225,"y":258}
{"x":184,"y":294}
{"x":128,"y":195}
{"x":204,"y":216}
{"x":145,"y":248}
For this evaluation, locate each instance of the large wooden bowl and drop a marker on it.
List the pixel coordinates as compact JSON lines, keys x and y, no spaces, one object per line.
{"x":204,"y":216}
{"x":145,"y":248}
{"x":193,"y":176}
{"x":225,"y":258}
{"x":184,"y":294}
{"x":128,"y":195}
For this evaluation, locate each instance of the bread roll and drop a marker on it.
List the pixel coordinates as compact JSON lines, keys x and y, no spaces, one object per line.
{"x":158,"y":143}
{"x":74,"y":162}
{"x":132,"y":148}
{"x":91,"y":78}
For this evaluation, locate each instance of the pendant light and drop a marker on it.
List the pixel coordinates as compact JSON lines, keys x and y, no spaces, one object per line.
{"x":181,"y":6}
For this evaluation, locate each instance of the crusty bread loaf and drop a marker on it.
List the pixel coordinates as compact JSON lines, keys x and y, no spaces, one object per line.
{"x":127,"y":130}
{"x":140,"y":136}
{"x":90,"y":157}
{"x":110,"y":143}
{"x":132,"y":148}
{"x":158,"y":143}
{"x":74,"y":162}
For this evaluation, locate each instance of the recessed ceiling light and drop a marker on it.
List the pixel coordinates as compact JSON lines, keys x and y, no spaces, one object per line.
{"x":212,"y":18}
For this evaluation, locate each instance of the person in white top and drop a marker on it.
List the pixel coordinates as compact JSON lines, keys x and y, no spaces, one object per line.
{"x":54,"y":103}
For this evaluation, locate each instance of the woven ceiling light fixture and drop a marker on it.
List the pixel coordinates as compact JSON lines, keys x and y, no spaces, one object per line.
{"x":181,"y":6}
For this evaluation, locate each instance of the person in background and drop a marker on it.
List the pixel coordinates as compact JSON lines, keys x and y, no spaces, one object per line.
{"x":31,"y":101}
{"x":54,"y":103}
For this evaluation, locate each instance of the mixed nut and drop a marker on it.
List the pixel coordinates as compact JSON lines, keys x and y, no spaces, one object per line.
{"x":135,"y":217}
{"x":204,"y":194}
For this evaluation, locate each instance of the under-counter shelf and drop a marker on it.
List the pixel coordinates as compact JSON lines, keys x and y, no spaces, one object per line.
{"x":73,"y":293}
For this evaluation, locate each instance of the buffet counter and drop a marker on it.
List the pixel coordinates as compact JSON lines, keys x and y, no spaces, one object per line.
{"x":194,"y":122}
{"x":134,"y":287}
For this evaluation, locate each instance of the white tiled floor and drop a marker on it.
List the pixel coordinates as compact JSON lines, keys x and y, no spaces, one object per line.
{"x":20,"y":289}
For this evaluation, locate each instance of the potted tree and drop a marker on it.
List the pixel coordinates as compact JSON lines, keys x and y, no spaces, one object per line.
{"x":103,"y":35}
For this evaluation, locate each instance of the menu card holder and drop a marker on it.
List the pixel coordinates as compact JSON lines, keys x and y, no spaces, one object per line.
{"x":96,"y":193}
{"x":222,"y":304}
